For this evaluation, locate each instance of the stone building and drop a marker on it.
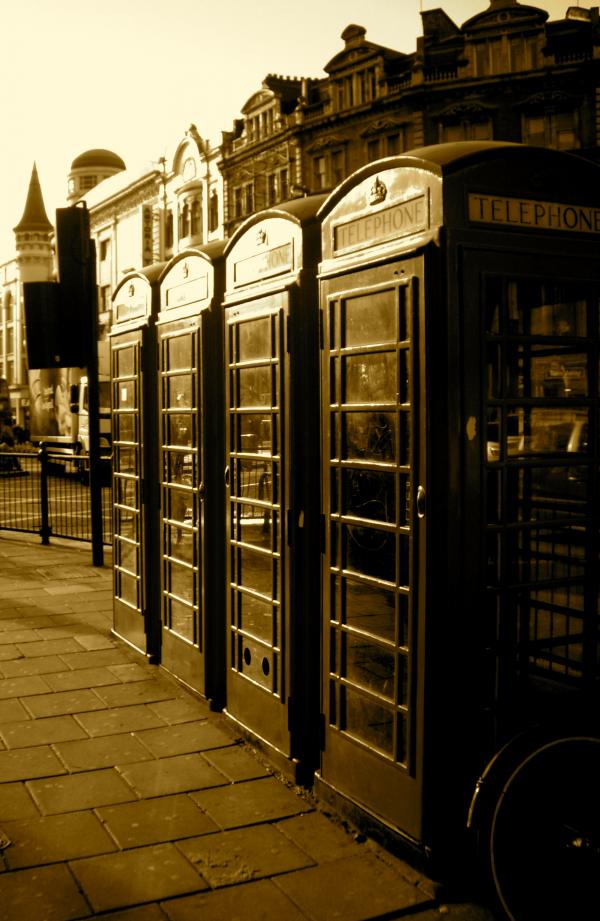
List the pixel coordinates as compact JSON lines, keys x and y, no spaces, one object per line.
{"x":33,"y":261}
{"x":90,"y":168}
{"x":505,"y":74}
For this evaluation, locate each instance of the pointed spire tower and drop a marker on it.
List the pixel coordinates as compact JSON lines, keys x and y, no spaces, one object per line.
{"x":33,"y":236}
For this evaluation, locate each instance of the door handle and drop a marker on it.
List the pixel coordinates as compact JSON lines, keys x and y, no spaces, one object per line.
{"x":421,"y":502}
{"x":227,"y":476}
{"x":201,"y":491}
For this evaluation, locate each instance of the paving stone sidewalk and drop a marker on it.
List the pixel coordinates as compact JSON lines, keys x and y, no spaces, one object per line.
{"x":123,"y":796}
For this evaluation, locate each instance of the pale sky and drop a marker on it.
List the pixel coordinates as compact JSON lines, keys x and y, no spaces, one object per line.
{"x":132,"y":75}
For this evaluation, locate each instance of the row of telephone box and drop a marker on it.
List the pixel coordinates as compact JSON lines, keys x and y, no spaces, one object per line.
{"x":311,"y":425}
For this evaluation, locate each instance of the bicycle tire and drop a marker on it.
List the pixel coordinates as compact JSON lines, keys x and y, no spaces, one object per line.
{"x":541,"y":840}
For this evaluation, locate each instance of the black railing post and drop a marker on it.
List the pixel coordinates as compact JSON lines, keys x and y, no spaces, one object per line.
{"x":45,"y":529}
{"x":94,"y":412}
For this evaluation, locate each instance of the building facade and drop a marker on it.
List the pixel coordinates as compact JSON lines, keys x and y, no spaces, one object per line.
{"x":506,"y":74}
{"x":137,"y":219}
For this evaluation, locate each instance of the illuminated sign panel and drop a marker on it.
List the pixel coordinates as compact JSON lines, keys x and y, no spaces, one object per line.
{"x":134,"y":303}
{"x":539,"y":215}
{"x":271,"y":262}
{"x":187,"y":292}
{"x":399,"y":220}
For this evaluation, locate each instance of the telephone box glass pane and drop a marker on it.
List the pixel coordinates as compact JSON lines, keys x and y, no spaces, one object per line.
{"x":369,"y":318}
{"x":370,"y":494}
{"x":369,"y":665}
{"x":124,"y":362}
{"x":179,"y":353}
{"x":180,"y":391}
{"x":255,"y":386}
{"x":370,"y":435}
{"x":370,"y":378}
{"x":125,"y":395}
{"x":368,"y":720}
{"x":370,"y":610}
{"x":254,"y":339}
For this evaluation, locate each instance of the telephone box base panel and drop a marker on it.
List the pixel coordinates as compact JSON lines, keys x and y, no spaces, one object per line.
{"x":128,"y":626}
{"x":177,"y":658}
{"x":289,"y":767}
{"x":392,"y":839}
{"x":262,"y":713}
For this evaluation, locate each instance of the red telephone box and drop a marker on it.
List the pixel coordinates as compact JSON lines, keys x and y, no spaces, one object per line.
{"x":460,"y":292}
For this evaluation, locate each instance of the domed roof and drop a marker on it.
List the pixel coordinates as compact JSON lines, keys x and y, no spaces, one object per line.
{"x":98,"y":158}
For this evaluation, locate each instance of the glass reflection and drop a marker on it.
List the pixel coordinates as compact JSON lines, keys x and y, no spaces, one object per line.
{"x":125,"y":459}
{"x":252,"y":480}
{"x":256,"y":571}
{"x":369,"y":665}
{"x":180,"y":544}
{"x":180,"y":391}
{"x":180,"y":429}
{"x":371,"y":551}
{"x":255,"y":386}
{"x":127,"y":588}
{"x":370,"y":318}
{"x":125,"y":395}
{"x":370,"y":435}
{"x":125,"y":427}
{"x":127,"y":555}
{"x":125,"y":491}
{"x":254,"y":339}
{"x":370,"y":609}
{"x":369,"y":721}
{"x":252,"y":525}
{"x":542,"y":371}
{"x":181,"y":581}
{"x":179,"y":353}
{"x":254,"y":433}
{"x":180,"y":467}
{"x":126,"y":522}
{"x":370,"y":378}
{"x":180,"y":505}
{"x":546,"y":431}
{"x":256,"y":617}
{"x":181,"y":617}
{"x":125,"y":362}
{"x":370,"y":494}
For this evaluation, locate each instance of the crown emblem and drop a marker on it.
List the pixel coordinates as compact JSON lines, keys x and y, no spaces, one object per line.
{"x":131,"y":290}
{"x":377,"y":192}
{"x":261,"y":237}
{"x":185,"y":270}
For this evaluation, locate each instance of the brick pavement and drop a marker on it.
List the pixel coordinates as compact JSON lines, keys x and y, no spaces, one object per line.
{"x":123,"y":796}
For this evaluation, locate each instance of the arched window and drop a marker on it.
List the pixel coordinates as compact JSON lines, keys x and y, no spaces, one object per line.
{"x":196,"y":227}
{"x":184,"y":221}
{"x":8,"y":307}
{"x":213,"y":211}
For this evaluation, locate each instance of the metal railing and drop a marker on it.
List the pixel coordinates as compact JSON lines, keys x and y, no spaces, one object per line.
{"x":48,"y":494}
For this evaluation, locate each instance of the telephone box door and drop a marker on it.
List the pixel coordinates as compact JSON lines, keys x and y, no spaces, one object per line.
{"x":182,"y":478}
{"x":535,"y":466}
{"x":374,"y":503}
{"x":129,"y":577}
{"x":256,"y":497}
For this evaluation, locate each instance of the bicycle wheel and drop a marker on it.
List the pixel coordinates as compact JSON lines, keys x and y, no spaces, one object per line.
{"x":542,"y":840}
